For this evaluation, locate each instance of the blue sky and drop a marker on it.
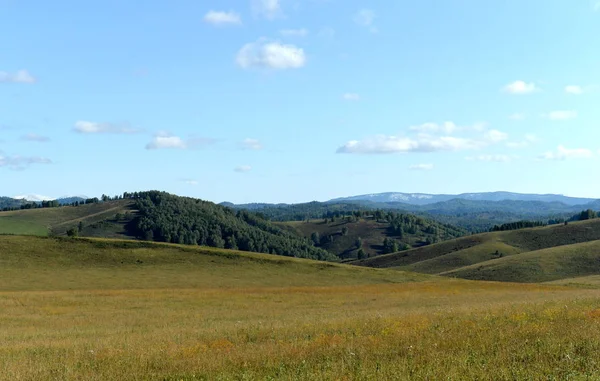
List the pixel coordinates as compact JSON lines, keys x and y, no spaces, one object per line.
{"x":299,"y":100}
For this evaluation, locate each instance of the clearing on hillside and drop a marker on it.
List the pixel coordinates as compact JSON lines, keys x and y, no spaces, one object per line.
{"x":45,"y":221}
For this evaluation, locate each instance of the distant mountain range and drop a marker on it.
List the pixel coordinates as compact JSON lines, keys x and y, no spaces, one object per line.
{"x":426,"y":199}
{"x":473,"y":211}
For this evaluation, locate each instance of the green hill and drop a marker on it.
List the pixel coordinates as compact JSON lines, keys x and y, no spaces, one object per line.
{"x":45,"y":221}
{"x":87,"y":263}
{"x":162,"y":217}
{"x":504,"y":256}
{"x":557,"y":263}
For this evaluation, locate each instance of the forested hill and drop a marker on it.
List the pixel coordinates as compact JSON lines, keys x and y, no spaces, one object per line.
{"x":10,"y":203}
{"x":167,"y":218}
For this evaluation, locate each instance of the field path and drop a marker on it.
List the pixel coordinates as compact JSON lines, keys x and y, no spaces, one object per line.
{"x":87,"y":216}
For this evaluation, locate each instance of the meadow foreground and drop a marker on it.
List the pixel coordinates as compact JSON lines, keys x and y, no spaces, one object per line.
{"x":168,"y":312}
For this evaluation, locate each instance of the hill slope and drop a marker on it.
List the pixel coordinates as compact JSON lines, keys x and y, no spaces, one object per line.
{"x":44,"y":221}
{"x":498,"y":255}
{"x":564,"y":262}
{"x":342,"y":235}
{"x":85,"y":263}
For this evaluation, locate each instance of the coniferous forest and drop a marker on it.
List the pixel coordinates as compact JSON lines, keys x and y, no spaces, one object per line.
{"x":166,"y":218}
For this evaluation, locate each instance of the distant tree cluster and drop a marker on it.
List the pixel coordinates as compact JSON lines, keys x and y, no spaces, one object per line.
{"x":23,"y":205}
{"x":168,"y":218}
{"x":517,"y":225}
{"x":586,"y":215}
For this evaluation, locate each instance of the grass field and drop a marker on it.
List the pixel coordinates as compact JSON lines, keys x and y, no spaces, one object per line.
{"x":84,"y":309}
{"x":44,"y":221}
{"x":527,"y":255}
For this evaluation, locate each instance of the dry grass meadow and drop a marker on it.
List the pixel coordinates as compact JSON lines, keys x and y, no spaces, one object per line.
{"x":70,"y":311}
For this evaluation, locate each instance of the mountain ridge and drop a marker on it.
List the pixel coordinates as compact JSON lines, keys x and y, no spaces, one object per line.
{"x":426,"y":198}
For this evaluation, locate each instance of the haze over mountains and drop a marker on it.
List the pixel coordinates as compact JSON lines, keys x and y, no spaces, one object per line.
{"x":425,"y":199}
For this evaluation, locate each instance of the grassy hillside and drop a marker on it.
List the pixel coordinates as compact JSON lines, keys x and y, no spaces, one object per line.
{"x":159,"y":216}
{"x":464,"y":256}
{"x":44,"y":221}
{"x":87,"y":263}
{"x":563,"y":262}
{"x":88,"y":309}
{"x":372,"y":232}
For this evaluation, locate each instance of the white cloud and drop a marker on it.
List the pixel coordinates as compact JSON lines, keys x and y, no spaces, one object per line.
{"x":421,"y":167}
{"x":517,"y":116}
{"x":428,"y":137}
{"x":448,"y":128}
{"x":85,"y":127}
{"x":35,"y":138}
{"x":251,"y":144}
{"x":219,"y":18}
{"x":561,"y":115}
{"x":21,"y":76}
{"x":270,"y":55}
{"x":520,"y":87}
{"x":294,"y":32}
{"x":526,"y":142}
{"x":269,"y":9}
{"x":242,"y":168}
{"x":351,"y":97}
{"x":191,"y":182}
{"x":563,"y":153}
{"x":574,"y":89}
{"x":164,"y":140}
{"x":382,"y":144}
{"x":492,"y":158}
{"x":496,"y":136}
{"x":18,"y":162}
{"x":366,"y":18}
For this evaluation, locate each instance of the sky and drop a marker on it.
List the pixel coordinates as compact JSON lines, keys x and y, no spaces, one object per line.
{"x":299,"y":100}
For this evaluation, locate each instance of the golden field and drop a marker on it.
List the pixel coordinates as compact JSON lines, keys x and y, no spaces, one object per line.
{"x":233,"y":316}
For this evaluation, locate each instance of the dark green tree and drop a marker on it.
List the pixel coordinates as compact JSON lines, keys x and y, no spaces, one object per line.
{"x":361,"y":254}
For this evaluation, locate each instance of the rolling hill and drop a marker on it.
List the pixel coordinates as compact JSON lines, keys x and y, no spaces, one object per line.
{"x":102,"y":309}
{"x":56,"y":221}
{"x":556,"y":263}
{"x":54,"y":263}
{"x":162,"y":217}
{"x":341,"y":235}
{"x":527,"y":255}
{"x":472,"y":214}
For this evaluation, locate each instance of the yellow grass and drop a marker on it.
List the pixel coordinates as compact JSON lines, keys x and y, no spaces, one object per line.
{"x":182,"y":329}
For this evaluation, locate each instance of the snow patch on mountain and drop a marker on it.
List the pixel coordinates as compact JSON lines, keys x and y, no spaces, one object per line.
{"x":33,"y":197}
